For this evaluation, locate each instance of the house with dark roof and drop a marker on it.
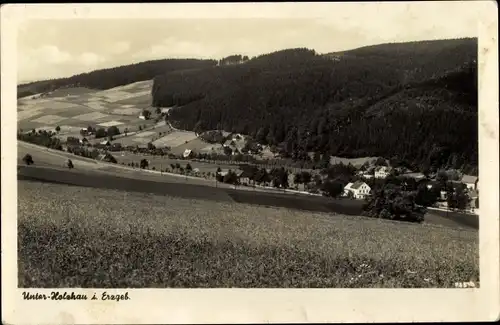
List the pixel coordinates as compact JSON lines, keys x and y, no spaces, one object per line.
{"x":244,"y":176}
{"x":470,"y":181}
{"x":359,"y":190}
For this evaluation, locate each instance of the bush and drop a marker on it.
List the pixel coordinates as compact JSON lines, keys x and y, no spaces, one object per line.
{"x":101,"y":133}
{"x":70,"y":164}
{"x":113,"y":130}
{"x":109,"y":158}
{"x":28,"y":159}
{"x":390,"y":202}
{"x":144,"y":164}
{"x":332,"y":188}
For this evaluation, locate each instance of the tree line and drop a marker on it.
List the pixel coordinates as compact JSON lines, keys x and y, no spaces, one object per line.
{"x":114,"y":77}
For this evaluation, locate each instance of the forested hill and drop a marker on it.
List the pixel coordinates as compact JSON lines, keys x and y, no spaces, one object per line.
{"x":114,"y":77}
{"x":414,"y":103}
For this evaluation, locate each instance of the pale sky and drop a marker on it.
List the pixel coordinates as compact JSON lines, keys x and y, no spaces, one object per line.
{"x":53,"y":48}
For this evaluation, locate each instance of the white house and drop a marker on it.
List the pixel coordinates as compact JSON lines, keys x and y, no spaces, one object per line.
{"x":365,"y":174}
{"x":359,"y":189}
{"x":471,"y":182}
{"x":382,"y":172}
{"x":187,"y":153}
{"x":142,"y":117}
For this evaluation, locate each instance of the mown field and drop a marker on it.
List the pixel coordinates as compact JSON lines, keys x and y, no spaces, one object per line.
{"x":84,"y":237}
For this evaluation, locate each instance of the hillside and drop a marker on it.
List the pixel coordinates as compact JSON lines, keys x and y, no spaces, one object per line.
{"x":113,"y":77}
{"x":414,"y":103}
{"x":76,"y":232}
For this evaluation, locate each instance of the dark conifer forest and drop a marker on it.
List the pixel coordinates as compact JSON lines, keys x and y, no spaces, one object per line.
{"x":412,"y":103}
{"x":113,"y":77}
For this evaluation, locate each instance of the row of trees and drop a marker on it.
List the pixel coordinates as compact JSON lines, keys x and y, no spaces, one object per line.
{"x":42,"y":138}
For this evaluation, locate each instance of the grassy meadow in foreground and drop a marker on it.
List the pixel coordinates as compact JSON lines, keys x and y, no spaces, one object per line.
{"x":84,"y":237}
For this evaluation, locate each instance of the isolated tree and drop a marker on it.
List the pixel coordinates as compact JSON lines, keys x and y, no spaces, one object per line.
{"x":28,"y":159}
{"x":188,"y":167}
{"x":231,"y":178}
{"x":146,"y":113}
{"x":228,"y":151}
{"x":173,"y":166}
{"x":113,"y":130}
{"x":458,"y":198}
{"x":101,"y":133}
{"x":390,"y":202}
{"x":109,"y":158}
{"x":425,"y":197}
{"x":442,"y":177}
{"x":70,"y":164}
{"x":332,"y":188}
{"x":144,"y":164}
{"x":58,"y":128}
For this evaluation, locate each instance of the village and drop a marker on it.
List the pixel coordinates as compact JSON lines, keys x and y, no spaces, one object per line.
{"x":443,"y":190}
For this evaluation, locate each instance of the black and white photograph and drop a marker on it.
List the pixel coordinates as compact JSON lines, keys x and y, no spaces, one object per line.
{"x":336,"y":150}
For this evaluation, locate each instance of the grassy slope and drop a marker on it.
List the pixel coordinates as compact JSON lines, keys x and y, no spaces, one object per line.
{"x":82,"y":237}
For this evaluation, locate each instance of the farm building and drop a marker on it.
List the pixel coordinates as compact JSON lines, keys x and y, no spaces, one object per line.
{"x":142,"y":117}
{"x":358,"y":189}
{"x":105,"y":143}
{"x":473,"y":196}
{"x":244,"y":176}
{"x":223,"y":172}
{"x":365,"y":174}
{"x":187,"y":153}
{"x":471,"y":182}
{"x":382,"y":172}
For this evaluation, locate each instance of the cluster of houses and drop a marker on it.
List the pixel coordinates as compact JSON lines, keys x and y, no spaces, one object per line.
{"x":360,"y":190}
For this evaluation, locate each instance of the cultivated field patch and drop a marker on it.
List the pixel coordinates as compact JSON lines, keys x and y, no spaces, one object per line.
{"x":137,"y":86}
{"x":50,"y":119}
{"x":145,"y":134}
{"x":71,"y":111}
{"x":97,"y":105}
{"x":127,"y":111}
{"x":196,"y":145}
{"x":62,"y":105}
{"x":75,"y":91}
{"x":141,"y":141}
{"x":110,"y":123}
{"x":27,"y":114}
{"x":91,"y":116}
{"x":140,"y":100}
{"x":175,"y":139}
{"x":216,"y":147}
